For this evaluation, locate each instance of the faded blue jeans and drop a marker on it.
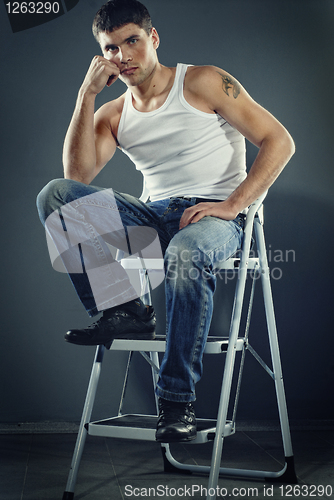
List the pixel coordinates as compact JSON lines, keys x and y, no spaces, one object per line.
{"x":191,"y":257}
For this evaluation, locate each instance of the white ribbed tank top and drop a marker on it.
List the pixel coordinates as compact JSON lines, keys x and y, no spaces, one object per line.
{"x":180,"y":150}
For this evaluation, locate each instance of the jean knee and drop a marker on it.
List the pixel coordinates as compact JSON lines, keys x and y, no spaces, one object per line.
{"x":44,"y":201}
{"x":56,"y":194}
{"x":184,"y":259}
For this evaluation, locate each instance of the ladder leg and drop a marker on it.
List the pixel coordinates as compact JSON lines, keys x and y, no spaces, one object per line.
{"x":227,"y":381}
{"x":125,"y":383}
{"x":221,"y":420}
{"x":230,"y":356}
{"x":289,"y":475}
{"x":243,"y":355}
{"x":86,"y":414}
{"x":155,"y":377}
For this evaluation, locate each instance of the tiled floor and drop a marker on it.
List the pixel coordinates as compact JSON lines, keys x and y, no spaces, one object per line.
{"x":35,"y":467}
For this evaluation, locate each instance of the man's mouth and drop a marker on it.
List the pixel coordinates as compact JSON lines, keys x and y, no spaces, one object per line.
{"x":128,"y":71}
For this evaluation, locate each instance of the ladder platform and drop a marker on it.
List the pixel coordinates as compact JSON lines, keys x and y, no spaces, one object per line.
{"x":214,"y":345}
{"x":230,"y":264}
{"x":143,"y":427}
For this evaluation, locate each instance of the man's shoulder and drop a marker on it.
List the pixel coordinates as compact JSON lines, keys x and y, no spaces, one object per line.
{"x":109,"y":114}
{"x":201,"y":83}
{"x":211,"y":80}
{"x":201,"y":75}
{"x":112,"y":108}
{"x":208,"y":88}
{"x":107,"y":117}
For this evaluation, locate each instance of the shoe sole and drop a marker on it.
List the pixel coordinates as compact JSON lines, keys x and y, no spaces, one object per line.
{"x":131,"y":336}
{"x":125,"y":336}
{"x":176,"y":440}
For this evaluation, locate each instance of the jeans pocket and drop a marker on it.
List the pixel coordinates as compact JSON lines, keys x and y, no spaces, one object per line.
{"x":239,"y":221}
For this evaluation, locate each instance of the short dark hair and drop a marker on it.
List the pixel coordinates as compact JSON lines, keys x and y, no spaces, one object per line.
{"x":116,"y":13}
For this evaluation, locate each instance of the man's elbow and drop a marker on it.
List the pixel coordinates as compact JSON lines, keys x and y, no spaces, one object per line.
{"x":77,"y":171}
{"x":290,"y":146}
{"x":283,"y":143}
{"x":77,"y":175}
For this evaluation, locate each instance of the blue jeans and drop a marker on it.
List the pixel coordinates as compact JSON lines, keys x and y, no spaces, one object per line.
{"x":191,"y":257}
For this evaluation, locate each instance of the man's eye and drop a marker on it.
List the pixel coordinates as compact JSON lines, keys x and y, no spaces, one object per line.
{"x":133,"y":41}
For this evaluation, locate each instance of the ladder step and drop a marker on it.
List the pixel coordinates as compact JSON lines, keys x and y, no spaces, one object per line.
{"x":214,"y":345}
{"x":142,"y":427}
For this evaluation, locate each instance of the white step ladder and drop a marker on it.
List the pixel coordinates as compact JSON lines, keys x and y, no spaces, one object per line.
{"x":135,"y":426}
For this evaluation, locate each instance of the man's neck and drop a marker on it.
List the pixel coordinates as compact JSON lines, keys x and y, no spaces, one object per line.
{"x":152,"y":93}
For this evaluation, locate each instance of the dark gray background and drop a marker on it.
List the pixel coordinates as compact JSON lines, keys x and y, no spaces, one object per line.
{"x":282,"y":52}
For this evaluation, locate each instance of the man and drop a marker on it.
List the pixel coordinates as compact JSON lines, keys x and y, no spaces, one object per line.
{"x":184,"y":128}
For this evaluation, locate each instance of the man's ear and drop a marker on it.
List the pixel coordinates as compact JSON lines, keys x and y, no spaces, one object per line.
{"x":155,"y":38}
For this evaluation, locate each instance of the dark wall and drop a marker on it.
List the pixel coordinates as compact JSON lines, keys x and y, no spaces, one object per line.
{"x":282,"y":52}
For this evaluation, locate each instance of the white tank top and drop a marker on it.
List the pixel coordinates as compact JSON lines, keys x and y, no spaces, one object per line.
{"x":180,"y":150}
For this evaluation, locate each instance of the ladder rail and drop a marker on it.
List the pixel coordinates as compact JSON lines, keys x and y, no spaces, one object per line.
{"x":245,"y":347}
{"x":231,"y":350}
{"x":85,"y":418}
{"x":273,"y":339}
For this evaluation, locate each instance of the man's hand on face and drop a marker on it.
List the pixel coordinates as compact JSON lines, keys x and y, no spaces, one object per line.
{"x":101,"y":73}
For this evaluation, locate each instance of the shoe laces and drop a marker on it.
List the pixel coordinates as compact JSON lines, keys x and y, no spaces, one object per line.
{"x":169,"y":410}
{"x":95,"y":324}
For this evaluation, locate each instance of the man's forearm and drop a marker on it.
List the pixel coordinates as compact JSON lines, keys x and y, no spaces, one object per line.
{"x":272,"y":157}
{"x":79,"y":157}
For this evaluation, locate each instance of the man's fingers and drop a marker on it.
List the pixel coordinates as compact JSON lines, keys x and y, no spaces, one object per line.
{"x":114,"y":72}
{"x":110,"y":70}
{"x":197,"y":212}
{"x":101,"y":73}
{"x":112,"y":78}
{"x":192,"y":214}
{"x":198,"y":216}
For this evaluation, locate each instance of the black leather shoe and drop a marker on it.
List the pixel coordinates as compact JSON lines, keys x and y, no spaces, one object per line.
{"x":176,"y":422}
{"x":132,"y":320}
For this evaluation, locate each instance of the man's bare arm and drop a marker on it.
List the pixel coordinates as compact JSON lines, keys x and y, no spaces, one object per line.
{"x":89,"y":143}
{"x":227,"y":97}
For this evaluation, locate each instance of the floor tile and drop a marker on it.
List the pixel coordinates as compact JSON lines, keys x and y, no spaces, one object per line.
{"x":14,"y":456}
{"x":36,"y":467}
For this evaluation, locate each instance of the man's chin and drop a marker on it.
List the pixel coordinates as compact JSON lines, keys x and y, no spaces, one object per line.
{"x":130,"y":80}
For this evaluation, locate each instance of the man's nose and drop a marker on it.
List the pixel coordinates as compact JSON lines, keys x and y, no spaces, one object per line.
{"x":124,"y":56}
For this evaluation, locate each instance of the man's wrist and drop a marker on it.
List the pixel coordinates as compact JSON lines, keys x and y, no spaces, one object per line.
{"x":231,"y":208}
{"x":85,"y":93}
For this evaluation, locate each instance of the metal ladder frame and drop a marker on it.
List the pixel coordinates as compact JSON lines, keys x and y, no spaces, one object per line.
{"x":242,"y":265}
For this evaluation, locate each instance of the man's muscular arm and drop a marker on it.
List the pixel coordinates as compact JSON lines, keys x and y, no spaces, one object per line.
{"x":224,"y":95}
{"x":89,"y":143}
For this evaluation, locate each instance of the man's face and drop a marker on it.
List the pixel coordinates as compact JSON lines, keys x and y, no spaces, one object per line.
{"x":132,"y":50}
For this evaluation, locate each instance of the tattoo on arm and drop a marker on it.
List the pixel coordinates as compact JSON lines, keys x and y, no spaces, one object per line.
{"x":230,"y":83}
